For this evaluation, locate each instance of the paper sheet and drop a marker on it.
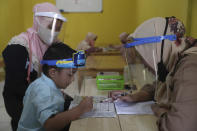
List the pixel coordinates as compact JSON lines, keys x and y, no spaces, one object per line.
{"x":105,"y":109}
{"x":133,"y":108}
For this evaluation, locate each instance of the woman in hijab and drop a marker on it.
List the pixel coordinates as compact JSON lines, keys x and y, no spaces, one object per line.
{"x":23,"y":54}
{"x":175,"y":63}
{"x":88,"y":44}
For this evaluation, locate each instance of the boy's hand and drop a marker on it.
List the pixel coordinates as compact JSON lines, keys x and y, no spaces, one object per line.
{"x":86,"y":104}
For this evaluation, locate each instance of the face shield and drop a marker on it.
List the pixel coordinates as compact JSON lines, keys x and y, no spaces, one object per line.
{"x":140,"y":69}
{"x":51,"y":26}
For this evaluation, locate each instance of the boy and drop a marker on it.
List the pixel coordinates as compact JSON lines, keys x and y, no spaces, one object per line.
{"x":44,"y":101}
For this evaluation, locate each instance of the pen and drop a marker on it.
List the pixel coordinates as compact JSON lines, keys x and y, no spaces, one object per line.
{"x":110,"y":99}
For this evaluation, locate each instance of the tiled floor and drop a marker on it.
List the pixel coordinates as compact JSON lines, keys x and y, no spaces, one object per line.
{"x":4,"y":118}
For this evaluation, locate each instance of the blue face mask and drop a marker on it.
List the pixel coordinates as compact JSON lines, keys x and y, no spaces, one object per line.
{"x":77,"y":61}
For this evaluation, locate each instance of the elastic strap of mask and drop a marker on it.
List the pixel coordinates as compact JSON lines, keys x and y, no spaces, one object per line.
{"x":162,"y":45}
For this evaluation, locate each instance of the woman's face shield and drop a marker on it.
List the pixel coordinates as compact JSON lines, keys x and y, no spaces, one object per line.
{"x":51,"y":27}
{"x":62,"y":31}
{"x":137,"y":72}
{"x":142,"y":68}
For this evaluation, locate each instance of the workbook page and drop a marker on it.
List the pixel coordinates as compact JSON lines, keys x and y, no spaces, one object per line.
{"x":100,"y":109}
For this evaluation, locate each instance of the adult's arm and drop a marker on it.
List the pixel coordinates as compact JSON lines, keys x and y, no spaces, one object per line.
{"x":182,"y":115}
{"x":15,"y":58}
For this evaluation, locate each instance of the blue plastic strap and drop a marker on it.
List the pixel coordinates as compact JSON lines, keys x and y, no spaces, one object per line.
{"x":77,"y":61}
{"x":147,"y":40}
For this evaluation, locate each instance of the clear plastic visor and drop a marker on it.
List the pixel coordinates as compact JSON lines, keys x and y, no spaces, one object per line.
{"x":137,"y":72}
{"x":50,"y":29}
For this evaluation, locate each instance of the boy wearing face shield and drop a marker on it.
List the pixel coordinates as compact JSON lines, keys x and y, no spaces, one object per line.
{"x":22,"y":56}
{"x":162,"y":45}
{"x":44,"y":101}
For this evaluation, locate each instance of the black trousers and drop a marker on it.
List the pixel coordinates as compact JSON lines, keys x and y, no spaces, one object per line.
{"x":14,"y":107}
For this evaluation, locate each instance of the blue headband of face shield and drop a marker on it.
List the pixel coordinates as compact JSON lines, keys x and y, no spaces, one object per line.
{"x":77,"y":61}
{"x":147,"y":40}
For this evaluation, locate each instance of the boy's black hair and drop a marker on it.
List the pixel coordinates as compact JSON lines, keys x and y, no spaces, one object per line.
{"x":56,"y":51}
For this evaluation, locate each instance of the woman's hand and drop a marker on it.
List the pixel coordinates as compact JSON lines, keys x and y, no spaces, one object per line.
{"x":115,"y":94}
{"x":121,"y":96}
{"x":127,"y":98}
